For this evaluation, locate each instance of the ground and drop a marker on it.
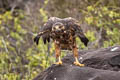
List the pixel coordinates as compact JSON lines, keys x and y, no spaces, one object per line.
{"x":100,"y":64}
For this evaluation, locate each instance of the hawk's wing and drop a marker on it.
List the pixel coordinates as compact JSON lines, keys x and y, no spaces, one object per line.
{"x":46,"y":30}
{"x":70,"y":23}
{"x":82,"y":37}
{"x":74,"y":24}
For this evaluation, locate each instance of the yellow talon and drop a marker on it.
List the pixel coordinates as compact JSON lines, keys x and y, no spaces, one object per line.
{"x":78,"y":64}
{"x":59,"y":63}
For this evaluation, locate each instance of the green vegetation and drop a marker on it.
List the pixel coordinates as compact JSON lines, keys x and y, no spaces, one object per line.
{"x":102,"y":17}
{"x":21,"y":59}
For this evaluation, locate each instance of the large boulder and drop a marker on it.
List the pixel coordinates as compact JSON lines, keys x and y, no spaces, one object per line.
{"x":101,"y":64}
{"x":105,"y":58}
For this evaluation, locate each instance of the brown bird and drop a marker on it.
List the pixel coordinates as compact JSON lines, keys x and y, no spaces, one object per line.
{"x":63,"y":32}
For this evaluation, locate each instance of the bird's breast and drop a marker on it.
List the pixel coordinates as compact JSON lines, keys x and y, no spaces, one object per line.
{"x":65,"y":40}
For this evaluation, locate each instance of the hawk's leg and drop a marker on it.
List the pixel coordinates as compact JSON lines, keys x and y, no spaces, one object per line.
{"x":75,"y":52}
{"x":57,"y":52}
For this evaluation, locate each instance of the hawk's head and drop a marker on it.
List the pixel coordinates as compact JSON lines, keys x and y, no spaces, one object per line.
{"x":58,"y":27}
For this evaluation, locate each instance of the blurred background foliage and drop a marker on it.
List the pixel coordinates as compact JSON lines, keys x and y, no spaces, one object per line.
{"x":21,"y":20}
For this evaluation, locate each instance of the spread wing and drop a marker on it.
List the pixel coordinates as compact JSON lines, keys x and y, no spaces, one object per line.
{"x":81,"y":35}
{"x":74,"y":24}
{"x":70,"y":23}
{"x":46,"y":30}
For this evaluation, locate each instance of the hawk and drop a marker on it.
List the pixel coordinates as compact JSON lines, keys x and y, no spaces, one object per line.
{"x":63,"y":32}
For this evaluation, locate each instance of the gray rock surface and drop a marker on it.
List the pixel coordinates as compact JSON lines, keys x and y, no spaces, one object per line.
{"x":101,"y":64}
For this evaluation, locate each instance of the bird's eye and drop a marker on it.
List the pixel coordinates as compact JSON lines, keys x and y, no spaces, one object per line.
{"x":53,"y":28}
{"x":61,"y":27}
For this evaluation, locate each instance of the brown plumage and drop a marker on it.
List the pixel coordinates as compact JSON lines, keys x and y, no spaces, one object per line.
{"x":63,"y":32}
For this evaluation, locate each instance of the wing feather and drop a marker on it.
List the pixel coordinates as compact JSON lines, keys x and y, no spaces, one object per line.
{"x":36,"y":39}
{"x":68,"y":22}
{"x":78,"y":31}
{"x":81,"y":35}
{"x":46,"y":29}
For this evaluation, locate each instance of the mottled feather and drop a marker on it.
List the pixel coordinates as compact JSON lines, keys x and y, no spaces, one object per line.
{"x":69,"y":23}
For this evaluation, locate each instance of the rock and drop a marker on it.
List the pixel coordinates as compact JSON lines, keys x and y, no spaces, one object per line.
{"x":101,"y":64}
{"x":105,"y":58}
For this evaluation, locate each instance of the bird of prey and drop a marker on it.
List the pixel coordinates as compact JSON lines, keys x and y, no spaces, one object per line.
{"x":63,"y":32}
